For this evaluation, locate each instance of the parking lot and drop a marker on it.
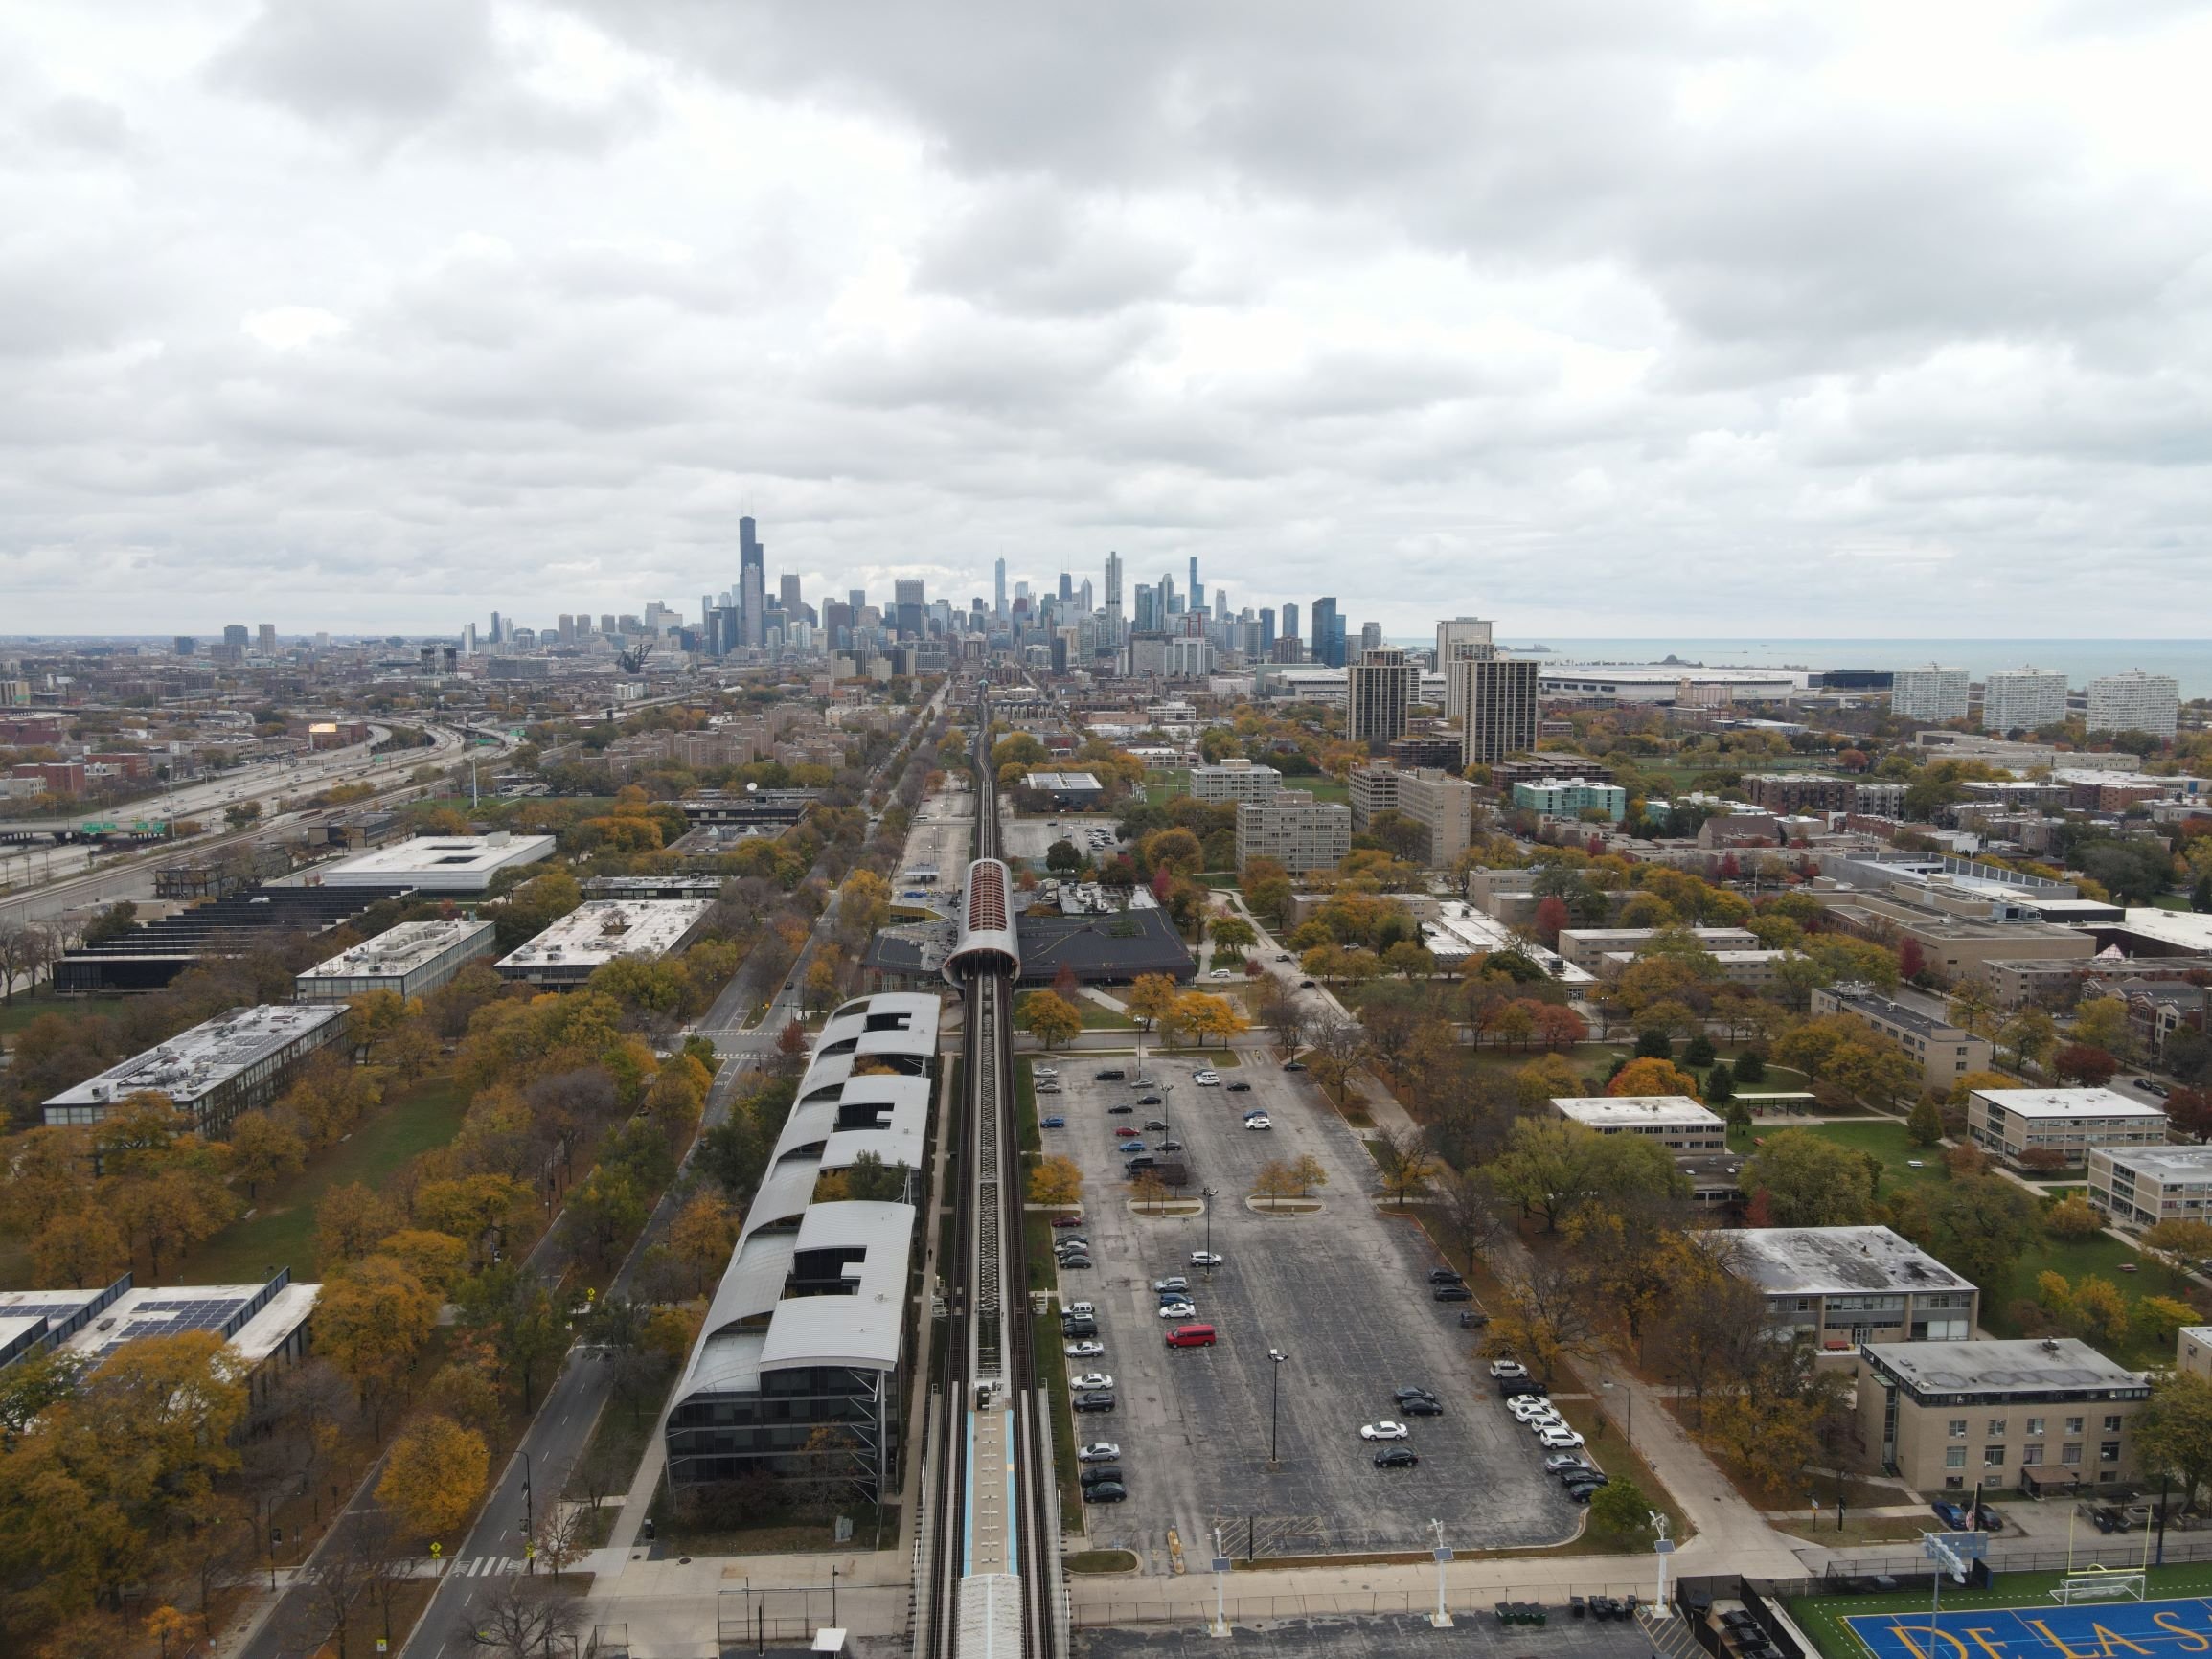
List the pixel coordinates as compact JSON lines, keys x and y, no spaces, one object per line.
{"x":1343,"y":1295}
{"x":1031,"y":838}
{"x":1474,"y":1635}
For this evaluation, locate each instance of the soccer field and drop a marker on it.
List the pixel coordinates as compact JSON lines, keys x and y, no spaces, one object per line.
{"x":2017,"y":1619}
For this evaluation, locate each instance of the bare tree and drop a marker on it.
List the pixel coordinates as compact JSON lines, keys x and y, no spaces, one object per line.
{"x":526,"y":1619}
{"x":338,"y":1578}
{"x":1280,"y":1013}
{"x":1468,"y":1208}
{"x":1404,"y":1160}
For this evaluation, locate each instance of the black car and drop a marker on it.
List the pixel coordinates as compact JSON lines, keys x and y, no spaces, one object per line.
{"x":1156,"y":1124}
{"x":1240,"y":1088}
{"x":1293,"y":1065}
{"x":1443,"y":1276}
{"x":1151,"y":1100}
{"x":1095,"y":1399}
{"x":1423,"y":1406}
{"x":1113,"y":1075}
{"x":1120,"y":1109}
{"x":1074,"y":1264}
{"x":1396,"y":1458}
{"x":1508,"y":1387}
{"x":1104,"y":1492}
{"x":1413,"y":1390}
{"x":1453,"y":1294}
{"x":1079,"y":1328}
{"x":1171,"y":1145}
{"x":1098,"y":1473}
{"x":1582,"y":1492}
{"x":1304,"y":984}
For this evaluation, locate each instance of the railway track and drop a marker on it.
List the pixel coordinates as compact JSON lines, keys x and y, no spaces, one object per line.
{"x":987,"y":1571}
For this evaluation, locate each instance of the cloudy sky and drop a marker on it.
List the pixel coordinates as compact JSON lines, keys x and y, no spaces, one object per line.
{"x":1597,"y":318}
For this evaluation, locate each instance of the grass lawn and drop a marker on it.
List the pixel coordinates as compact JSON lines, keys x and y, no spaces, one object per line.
{"x":1821,"y":1617}
{"x":2103,"y":1256}
{"x":281,"y":1233}
{"x":1166,"y":783}
{"x":27,"y":1006}
{"x":1052,"y":1366}
{"x":1098,"y":1018}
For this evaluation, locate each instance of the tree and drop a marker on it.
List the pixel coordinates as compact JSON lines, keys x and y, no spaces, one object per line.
{"x":1750,"y":1067}
{"x":2031,"y":1034}
{"x":1810,"y":1181}
{"x":1653,"y":1044}
{"x":1204,"y":1016}
{"x":239,"y":813}
{"x":1543,"y":1079}
{"x":1924,"y":1127}
{"x":1977,"y":1225}
{"x":373,"y":1320}
{"x":2090,"y":1067}
{"x":1652,"y":1076}
{"x":2181,"y":1242}
{"x":1048,"y":1018}
{"x":265,"y":1148}
{"x":1057,"y":1183}
{"x":1720,"y":1085}
{"x":2173,"y":1431}
{"x":1151,"y":999}
{"x":1233,"y":933}
{"x":434,"y":1476}
{"x":1062,"y":857}
{"x":1620,"y":1510}
{"x":702,"y":1233}
{"x":604,"y":1211}
{"x":80,"y":1249}
{"x":1468,"y":1206}
{"x":2074,"y":1219}
{"x":1404,"y":1161}
{"x":1698,"y":1052}
{"x":1548,"y":1313}
{"x":520,"y":1623}
{"x":1307,"y":1171}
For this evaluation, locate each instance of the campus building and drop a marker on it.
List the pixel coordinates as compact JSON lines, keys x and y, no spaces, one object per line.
{"x":1945,"y":1416}
{"x":413,"y":959}
{"x":2139,"y":1186}
{"x":600,"y":930}
{"x":1294,"y":829}
{"x":2070,"y":1121}
{"x":1571,"y":798}
{"x":1677,"y":1122}
{"x":802,"y":1366}
{"x":1841,"y":1288}
{"x":233,"y":1063}
{"x":1234,"y":780}
{"x":1946,"y":1052}
{"x":1590,"y":947}
{"x":439,"y":863}
{"x":1442,"y":802}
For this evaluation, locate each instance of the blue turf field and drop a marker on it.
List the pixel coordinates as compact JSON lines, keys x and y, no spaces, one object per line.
{"x":2169,"y":1629}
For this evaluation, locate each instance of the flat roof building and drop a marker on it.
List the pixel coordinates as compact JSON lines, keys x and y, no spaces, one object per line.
{"x":1841,"y":1288}
{"x":1067,"y":789}
{"x":2011,"y":1121}
{"x":438,"y":863}
{"x":1571,"y":798}
{"x":2193,"y":1350}
{"x":2028,"y":1414}
{"x":266,"y":1325}
{"x":1588,"y":946}
{"x":600,"y":930}
{"x":1675,"y":1122}
{"x":1442,"y":802}
{"x":2139,"y":1186}
{"x":1945,"y":1051}
{"x":809,"y":1329}
{"x":410,"y":960}
{"x":1235,"y":779}
{"x":1294,"y":829}
{"x":230,"y":1064}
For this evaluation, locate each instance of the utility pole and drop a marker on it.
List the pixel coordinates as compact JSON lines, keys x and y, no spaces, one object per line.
{"x":1440,"y":1618}
{"x":1220,"y":1625}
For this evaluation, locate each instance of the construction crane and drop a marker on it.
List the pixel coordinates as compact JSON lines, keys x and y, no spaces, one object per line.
{"x":632,"y":661}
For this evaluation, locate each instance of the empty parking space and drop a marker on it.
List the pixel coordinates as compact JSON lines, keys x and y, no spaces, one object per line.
{"x":1343,"y":1296}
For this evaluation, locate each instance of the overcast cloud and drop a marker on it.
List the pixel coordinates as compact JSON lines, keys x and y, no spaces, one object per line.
{"x":1596,"y":318}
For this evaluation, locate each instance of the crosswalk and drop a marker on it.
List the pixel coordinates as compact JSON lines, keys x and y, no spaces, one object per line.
{"x":485,"y":1567}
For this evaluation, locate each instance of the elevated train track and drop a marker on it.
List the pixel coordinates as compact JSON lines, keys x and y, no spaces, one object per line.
{"x":987,"y":1575}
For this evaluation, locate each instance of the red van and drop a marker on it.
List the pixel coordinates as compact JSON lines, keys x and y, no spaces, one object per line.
{"x":1191,"y":1336}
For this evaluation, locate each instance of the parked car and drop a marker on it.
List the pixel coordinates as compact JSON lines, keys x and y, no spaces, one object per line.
{"x":1074,"y":1263}
{"x":1111,"y":1074}
{"x":1556,"y":1437}
{"x":1120,"y":1109}
{"x":1125,"y":1133}
{"x":1175,"y":1282}
{"x":1208,"y":1080}
{"x":1443,"y":1276}
{"x":1562,"y":1463}
{"x":1422,"y":1407}
{"x":1066,"y":1221}
{"x":1950,"y":1515}
{"x":1453,"y":1294}
{"x":1171,"y":1145}
{"x":1151,"y":1100}
{"x":1090,"y":1348}
{"x":1529,"y":1408}
{"x":1205,"y":1258}
{"x":1260,"y":1122}
{"x":1055,"y":1122}
{"x":1104,"y":1492}
{"x":1092,"y":1380}
{"x":1178,"y":1310}
{"x":1101,"y":1474}
{"x":1384,"y":1431}
{"x":1395,"y":1457}
{"x":1099,"y":1451}
{"x":1130,"y":1149}
{"x":1239,"y":1088}
{"x":1099,"y":1399}
{"x":1156,"y":1125}
{"x":1412,"y":1391}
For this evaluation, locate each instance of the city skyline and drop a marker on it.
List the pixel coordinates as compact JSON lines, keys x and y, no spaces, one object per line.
{"x":1628,"y":328}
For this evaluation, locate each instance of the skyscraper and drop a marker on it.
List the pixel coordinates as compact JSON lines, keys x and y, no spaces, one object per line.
{"x":1328,"y":633}
{"x":907,"y":595}
{"x":794,"y":605}
{"x":268,"y":641}
{"x":1289,"y":628}
{"x":2023,"y":698}
{"x":1493,"y":698}
{"x":1267,"y":629}
{"x":1934,"y":692}
{"x":1000,"y":610}
{"x":1198,"y":589}
{"x":1066,"y":585}
{"x":2136,"y":702}
{"x":752,"y":581}
{"x":1146,"y":620}
{"x":1380,"y":688}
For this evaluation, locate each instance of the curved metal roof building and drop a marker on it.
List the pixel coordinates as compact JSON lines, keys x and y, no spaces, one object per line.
{"x":987,"y":942}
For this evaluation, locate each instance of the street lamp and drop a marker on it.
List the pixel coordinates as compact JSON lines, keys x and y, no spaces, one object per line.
{"x":529,"y":1524}
{"x":1209,"y":1194}
{"x":1275,"y":1405}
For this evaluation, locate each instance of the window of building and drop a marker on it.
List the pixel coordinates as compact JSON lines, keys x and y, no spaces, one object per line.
{"x":2113,"y":1425}
{"x":2031,"y":1454}
{"x":2034,"y":1426}
{"x":1996,"y":1426}
{"x":2071,"y":1453}
{"x":1993,"y":1457}
{"x":2109,"y":1452}
{"x":2073,"y":1425}
{"x":1958,"y":1428}
{"x":1955,"y":1457}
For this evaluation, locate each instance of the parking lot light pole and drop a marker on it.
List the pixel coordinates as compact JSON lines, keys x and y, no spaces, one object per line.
{"x":1209,"y":1194}
{"x":1275,"y":1405}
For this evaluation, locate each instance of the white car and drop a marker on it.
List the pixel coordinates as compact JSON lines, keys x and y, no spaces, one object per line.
{"x":1083,"y":1350}
{"x":1262,"y":1122}
{"x":1177,"y":1310}
{"x":1091,"y":1380}
{"x":1081,"y":1310}
{"x":1205,"y":1258}
{"x":1557,"y":1437}
{"x":1525,"y":1410}
{"x":1206,"y":1079}
{"x":1099,"y":1451}
{"x":1508,"y":1368}
{"x":1384,"y":1431}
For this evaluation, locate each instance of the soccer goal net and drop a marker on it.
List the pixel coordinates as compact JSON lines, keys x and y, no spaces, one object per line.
{"x":2099,"y":1584}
